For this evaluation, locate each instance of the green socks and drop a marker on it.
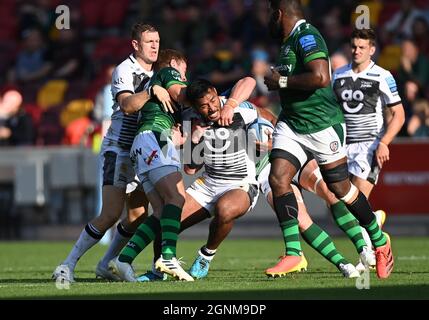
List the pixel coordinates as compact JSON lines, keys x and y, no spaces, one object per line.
{"x":349,"y":224}
{"x":144,"y":235}
{"x":322,"y":243}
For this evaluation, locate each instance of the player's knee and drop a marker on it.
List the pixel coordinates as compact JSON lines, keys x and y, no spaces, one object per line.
{"x":177,"y":200}
{"x":277,"y":182}
{"x":108,"y":217}
{"x":336,"y":174}
{"x":224,"y":213}
{"x":135,"y":221}
{"x":337,"y":179}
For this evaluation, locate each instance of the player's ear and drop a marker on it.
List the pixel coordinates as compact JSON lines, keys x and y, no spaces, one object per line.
{"x":173,"y":63}
{"x":135,"y":44}
{"x":372,"y":50}
{"x":278,"y":15}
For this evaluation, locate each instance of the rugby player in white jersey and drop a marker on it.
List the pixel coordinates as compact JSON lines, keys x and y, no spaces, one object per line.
{"x":227,"y":189}
{"x":130,"y":88}
{"x":157,"y":164}
{"x":365,"y":90}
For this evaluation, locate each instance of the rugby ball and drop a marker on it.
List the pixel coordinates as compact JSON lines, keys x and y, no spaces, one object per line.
{"x":259,"y":129}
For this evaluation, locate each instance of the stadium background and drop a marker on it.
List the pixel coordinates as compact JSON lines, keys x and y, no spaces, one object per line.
{"x":48,"y":180}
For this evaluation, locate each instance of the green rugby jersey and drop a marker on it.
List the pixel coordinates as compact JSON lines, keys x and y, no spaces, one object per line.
{"x":306,"y":111}
{"x":152,"y":115}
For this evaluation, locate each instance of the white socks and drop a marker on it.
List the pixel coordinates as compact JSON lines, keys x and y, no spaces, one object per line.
{"x":120,"y":239}
{"x":88,"y":238}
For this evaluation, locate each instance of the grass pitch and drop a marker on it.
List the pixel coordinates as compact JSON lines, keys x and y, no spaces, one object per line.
{"x":236,"y":273}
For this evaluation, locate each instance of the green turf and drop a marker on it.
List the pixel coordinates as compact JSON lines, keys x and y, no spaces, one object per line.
{"x":236,"y":273}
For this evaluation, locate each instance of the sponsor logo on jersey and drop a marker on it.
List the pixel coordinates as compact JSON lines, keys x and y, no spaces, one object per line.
{"x":372,"y":74}
{"x":176,"y":75}
{"x":286,"y":51}
{"x":118,"y":81}
{"x":365,"y":84}
{"x":221,"y":134}
{"x":392,"y":84}
{"x":308,"y":42}
{"x":350,"y":95}
{"x":287,"y":68}
{"x":152,"y":156}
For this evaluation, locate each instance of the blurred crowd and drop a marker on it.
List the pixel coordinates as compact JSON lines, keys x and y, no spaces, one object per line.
{"x":55,"y":84}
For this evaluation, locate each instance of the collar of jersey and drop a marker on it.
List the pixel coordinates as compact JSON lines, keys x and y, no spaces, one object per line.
{"x":138,"y":67}
{"x":297,"y":24}
{"x":371,"y":64}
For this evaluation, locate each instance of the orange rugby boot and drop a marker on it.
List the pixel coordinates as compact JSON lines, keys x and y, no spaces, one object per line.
{"x":287,"y":264}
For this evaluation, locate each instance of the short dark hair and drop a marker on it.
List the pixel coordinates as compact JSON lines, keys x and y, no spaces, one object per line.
{"x":197,"y":89}
{"x":294,"y":6}
{"x":140,"y":27}
{"x":366,"y":34}
{"x":166,"y":55}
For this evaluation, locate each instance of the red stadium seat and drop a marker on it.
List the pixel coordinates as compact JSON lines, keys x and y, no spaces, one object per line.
{"x":92,"y":12}
{"x":114,"y":13}
{"x":389,"y":10}
{"x":35,"y":112}
{"x":50,"y":131}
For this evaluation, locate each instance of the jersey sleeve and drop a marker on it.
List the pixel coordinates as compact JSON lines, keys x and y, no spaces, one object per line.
{"x":311,"y":46}
{"x":389,"y":90}
{"x":167,"y":77}
{"x":248,"y":112}
{"x":122,"y":81}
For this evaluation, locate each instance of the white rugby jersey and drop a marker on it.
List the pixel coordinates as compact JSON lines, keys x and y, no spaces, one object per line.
{"x":224,"y":150}
{"x":362,"y":97}
{"x":130,"y":77}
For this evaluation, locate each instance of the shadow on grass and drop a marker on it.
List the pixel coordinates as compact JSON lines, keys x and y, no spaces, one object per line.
{"x":46,"y":280}
{"x":380,"y":292}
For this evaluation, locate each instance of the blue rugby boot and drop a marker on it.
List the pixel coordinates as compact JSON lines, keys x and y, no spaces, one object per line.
{"x":200,"y":267}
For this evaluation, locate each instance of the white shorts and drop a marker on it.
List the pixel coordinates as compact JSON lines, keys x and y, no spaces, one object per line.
{"x":116,"y":165}
{"x":327,"y":145}
{"x":362,"y":162}
{"x":148,"y":152}
{"x":207,"y":195}
{"x":264,"y":183}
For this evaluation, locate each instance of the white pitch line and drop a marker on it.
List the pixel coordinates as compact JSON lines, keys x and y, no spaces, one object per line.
{"x":413,"y":258}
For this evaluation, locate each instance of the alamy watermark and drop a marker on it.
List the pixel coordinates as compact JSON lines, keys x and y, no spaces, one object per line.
{"x":363,"y":281}
{"x":62,"y":281}
{"x":363,"y":20}
{"x":63,"y":19}
{"x":214,"y":143}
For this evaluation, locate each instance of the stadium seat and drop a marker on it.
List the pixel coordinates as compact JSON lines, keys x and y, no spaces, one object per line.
{"x":50,"y":131}
{"x":52,"y":93}
{"x":75,"y":109}
{"x":390,"y":58}
{"x":35,"y":112}
{"x":92,"y":12}
{"x":389,"y":10}
{"x":111,"y":47}
{"x":114,"y":13}
{"x":76,"y":131}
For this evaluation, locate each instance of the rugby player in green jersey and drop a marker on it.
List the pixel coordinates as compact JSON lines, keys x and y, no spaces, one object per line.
{"x":311,"y":120}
